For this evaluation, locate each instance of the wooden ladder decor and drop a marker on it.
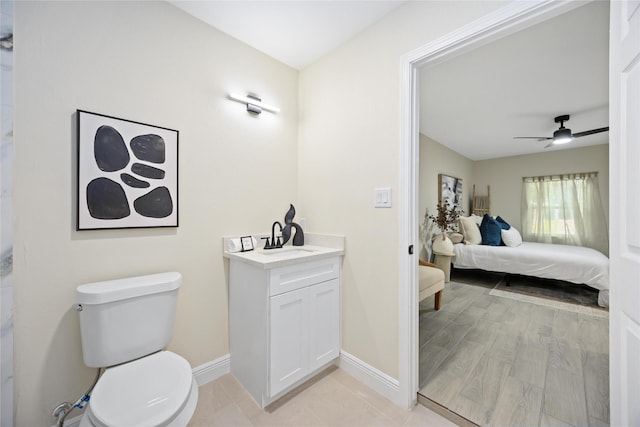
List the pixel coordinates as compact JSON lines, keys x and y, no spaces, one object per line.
{"x":481,"y":205}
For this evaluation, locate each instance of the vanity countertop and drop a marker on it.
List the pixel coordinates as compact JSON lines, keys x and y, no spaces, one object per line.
{"x":320,"y":247}
{"x":287,"y":255}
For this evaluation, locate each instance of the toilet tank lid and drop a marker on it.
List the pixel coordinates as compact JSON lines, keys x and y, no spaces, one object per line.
{"x":130,"y":287}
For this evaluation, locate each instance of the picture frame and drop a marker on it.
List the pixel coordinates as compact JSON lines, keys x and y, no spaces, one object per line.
{"x":127,"y":173}
{"x":449,"y":190}
{"x":247,"y":243}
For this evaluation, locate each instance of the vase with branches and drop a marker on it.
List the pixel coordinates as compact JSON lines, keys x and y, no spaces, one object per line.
{"x":446,"y":217}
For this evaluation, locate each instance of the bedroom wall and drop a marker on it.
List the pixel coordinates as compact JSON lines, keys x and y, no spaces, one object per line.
{"x":435,"y":159}
{"x":168,"y":69}
{"x":504,"y":175}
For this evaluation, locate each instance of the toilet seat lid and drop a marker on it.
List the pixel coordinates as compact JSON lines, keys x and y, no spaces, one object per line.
{"x":148,"y":391}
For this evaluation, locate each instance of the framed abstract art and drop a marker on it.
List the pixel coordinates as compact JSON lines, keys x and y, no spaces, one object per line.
{"x":127,"y":173}
{"x":449,"y":190}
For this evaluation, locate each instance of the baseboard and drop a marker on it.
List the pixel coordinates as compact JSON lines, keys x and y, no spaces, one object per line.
{"x":203,"y":374}
{"x":373,"y":378}
{"x":213,"y":370}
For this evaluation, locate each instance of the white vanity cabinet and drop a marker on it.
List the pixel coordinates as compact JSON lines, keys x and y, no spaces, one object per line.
{"x":284,"y":323}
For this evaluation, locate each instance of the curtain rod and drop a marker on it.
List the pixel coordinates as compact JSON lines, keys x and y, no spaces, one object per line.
{"x":561,"y":176}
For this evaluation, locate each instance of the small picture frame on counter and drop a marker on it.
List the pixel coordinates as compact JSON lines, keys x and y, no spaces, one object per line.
{"x":247,"y":243}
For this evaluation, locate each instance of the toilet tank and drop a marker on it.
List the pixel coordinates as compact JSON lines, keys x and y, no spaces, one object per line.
{"x":125,"y":319}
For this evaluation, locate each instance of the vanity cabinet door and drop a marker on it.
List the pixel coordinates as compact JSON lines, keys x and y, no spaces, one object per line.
{"x":324,"y":323}
{"x":289,"y":340}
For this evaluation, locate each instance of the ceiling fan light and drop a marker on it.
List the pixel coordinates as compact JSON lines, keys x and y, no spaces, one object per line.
{"x":562,"y":136}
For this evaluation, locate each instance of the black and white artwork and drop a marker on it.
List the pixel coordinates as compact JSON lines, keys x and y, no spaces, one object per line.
{"x":127,"y":173}
{"x":449,"y":190}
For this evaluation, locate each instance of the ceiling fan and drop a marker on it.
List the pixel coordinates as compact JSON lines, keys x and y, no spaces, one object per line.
{"x":563,"y":134}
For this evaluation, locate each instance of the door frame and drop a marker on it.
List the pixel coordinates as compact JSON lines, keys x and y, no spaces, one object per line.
{"x":513,"y":17}
{"x":624,"y":233}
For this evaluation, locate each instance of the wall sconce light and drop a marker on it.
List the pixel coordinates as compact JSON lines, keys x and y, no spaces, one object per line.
{"x":254,"y":104}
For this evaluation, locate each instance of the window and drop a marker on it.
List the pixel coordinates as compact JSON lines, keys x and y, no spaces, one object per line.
{"x":564,"y":209}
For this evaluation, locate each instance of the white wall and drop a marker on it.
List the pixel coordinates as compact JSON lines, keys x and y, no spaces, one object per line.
{"x":148,"y":62}
{"x":505,"y":175}
{"x":435,"y":159}
{"x":349,"y":144}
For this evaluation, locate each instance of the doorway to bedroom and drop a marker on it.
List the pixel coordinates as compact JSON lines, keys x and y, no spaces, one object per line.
{"x":534,"y":352}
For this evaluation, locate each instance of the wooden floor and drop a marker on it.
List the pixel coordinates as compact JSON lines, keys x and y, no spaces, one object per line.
{"x":501,"y":362}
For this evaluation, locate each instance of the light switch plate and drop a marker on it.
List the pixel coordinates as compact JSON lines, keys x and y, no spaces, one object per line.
{"x":382,"y":198}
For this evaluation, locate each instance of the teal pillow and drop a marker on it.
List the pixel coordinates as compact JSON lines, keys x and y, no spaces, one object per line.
{"x":490,"y":231}
{"x":504,"y":224}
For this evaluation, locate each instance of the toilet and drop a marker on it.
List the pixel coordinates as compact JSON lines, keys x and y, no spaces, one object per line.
{"x":125,"y":325}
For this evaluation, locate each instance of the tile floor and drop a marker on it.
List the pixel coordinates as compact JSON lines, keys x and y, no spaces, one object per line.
{"x":501,"y":362}
{"x":334,"y":398}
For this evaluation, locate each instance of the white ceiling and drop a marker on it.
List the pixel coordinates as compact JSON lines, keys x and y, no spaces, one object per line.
{"x":295,"y":32}
{"x":477,"y":102}
{"x":473,"y":103}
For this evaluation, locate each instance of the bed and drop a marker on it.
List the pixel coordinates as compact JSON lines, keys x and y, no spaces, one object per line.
{"x":560,"y":262}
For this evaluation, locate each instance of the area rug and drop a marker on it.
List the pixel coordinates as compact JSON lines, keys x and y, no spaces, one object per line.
{"x":549,"y":293}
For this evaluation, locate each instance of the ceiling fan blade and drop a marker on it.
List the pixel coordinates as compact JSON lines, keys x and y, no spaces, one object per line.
{"x":539,"y":138}
{"x":590,"y":132}
{"x":549,"y":144}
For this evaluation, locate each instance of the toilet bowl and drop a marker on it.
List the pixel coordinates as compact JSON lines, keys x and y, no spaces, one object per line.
{"x":157,"y":390}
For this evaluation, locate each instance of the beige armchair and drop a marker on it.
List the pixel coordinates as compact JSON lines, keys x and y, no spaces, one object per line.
{"x":431,"y":281}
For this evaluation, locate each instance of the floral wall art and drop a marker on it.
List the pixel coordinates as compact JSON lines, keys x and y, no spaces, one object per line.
{"x":127,"y":173}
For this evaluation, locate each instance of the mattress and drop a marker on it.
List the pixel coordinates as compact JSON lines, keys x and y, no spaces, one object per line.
{"x":574,"y":264}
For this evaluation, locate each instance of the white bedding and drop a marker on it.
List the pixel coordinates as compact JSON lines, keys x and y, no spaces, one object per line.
{"x":574,"y":264}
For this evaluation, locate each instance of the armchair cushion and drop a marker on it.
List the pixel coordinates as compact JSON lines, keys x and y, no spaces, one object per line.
{"x":431,"y":281}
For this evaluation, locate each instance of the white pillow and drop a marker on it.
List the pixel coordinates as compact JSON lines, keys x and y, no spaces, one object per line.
{"x":470,"y":231}
{"x":476,"y":218}
{"x":456,"y":238}
{"x":511,"y":237}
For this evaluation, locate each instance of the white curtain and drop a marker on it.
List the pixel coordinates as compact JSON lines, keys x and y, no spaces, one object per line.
{"x":564,"y":209}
